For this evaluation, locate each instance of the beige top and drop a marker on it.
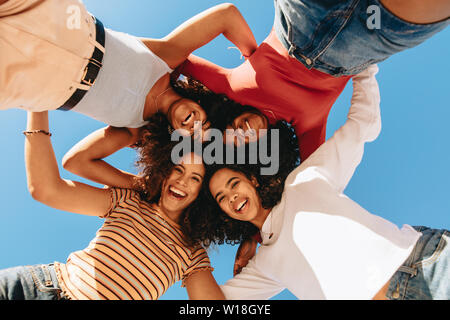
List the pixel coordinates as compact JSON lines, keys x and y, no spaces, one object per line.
{"x":44,"y":48}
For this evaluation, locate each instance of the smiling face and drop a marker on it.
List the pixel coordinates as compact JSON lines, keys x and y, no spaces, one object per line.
{"x":183,"y":185}
{"x":247,"y":127}
{"x":185,"y":113}
{"x":236,"y":195}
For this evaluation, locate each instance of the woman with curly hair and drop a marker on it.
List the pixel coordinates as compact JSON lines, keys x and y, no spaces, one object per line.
{"x":113,"y":77}
{"x":318,"y":243}
{"x":141,"y":249}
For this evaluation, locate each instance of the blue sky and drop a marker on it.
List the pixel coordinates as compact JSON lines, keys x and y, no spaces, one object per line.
{"x":404,"y":176}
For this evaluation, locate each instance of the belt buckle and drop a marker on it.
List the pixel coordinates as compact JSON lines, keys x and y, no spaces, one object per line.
{"x":88,"y":82}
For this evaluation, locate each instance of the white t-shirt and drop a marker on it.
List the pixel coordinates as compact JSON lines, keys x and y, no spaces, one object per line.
{"x":324,"y":245}
{"x":129,"y":71}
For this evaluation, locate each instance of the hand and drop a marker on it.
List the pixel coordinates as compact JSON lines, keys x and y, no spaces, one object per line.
{"x":245,"y":252}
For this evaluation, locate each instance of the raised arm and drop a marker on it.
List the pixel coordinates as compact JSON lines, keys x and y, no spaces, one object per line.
{"x":44,"y":181}
{"x":86,"y":157}
{"x":338,"y":157}
{"x":196,"y":32}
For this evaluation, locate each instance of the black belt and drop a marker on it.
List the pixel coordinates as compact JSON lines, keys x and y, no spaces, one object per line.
{"x":92,"y":69}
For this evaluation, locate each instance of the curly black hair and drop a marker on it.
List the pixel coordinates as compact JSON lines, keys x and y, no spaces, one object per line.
{"x":210,"y":224}
{"x":203,"y":222}
{"x":155,"y":164}
{"x":155,"y":146}
{"x":219,"y":109}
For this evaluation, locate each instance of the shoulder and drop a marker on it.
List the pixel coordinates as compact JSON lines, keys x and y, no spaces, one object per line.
{"x":122,"y":196}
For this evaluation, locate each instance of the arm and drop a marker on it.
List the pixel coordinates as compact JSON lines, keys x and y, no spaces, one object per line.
{"x":196,"y":32}
{"x":338,"y":158}
{"x":201,"y":285}
{"x":246,"y":251}
{"x":44,"y":181}
{"x":251,"y":284}
{"x":85,"y":158}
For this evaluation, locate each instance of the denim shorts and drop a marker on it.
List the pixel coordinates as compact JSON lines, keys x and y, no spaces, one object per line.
{"x":425,"y":275}
{"x":345,"y":37}
{"x":37,"y":282}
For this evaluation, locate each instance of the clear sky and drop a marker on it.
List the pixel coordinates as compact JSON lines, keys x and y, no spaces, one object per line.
{"x":404,"y":176}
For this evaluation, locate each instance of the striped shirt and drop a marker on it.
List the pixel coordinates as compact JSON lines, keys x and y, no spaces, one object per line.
{"x":137,"y":254}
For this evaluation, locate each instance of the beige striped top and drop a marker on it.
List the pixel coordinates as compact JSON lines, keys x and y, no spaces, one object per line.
{"x":137,"y":254}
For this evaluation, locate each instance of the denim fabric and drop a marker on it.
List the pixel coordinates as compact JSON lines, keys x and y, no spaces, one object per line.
{"x":341,"y":37}
{"x":425,"y":275}
{"x":37,"y":282}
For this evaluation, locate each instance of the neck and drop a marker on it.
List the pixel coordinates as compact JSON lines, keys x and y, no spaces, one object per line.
{"x":174,"y":216}
{"x":166,"y":100}
{"x":261,"y":218}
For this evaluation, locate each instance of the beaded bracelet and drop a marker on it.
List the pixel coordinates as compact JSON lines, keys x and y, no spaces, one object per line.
{"x":27,"y":133}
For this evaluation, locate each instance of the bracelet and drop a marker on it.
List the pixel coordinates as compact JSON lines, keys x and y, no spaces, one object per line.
{"x":27,"y":133}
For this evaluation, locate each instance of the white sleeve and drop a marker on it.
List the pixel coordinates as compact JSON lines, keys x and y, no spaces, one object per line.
{"x":251,"y":284}
{"x":338,"y":157}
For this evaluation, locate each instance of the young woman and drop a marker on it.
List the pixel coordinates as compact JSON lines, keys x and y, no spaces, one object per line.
{"x":141,"y":249}
{"x":303,"y":65}
{"x":113,"y":77}
{"x":318,"y":243}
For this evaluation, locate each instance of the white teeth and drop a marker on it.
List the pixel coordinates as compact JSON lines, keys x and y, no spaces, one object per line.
{"x":250,"y":130}
{"x":178,"y":192}
{"x":241,"y":205}
{"x":185,"y":122}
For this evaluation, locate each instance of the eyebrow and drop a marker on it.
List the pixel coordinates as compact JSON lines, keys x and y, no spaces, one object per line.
{"x":196,"y":173}
{"x":226,"y":186}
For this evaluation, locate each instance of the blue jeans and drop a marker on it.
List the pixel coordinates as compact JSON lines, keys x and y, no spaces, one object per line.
{"x":425,"y":275}
{"x":344,"y":37}
{"x":37,"y":282}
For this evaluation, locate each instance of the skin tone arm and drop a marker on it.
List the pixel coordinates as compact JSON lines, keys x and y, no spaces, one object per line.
{"x":246,"y":251}
{"x":196,"y":32}
{"x":85,"y":158}
{"x":419,"y":11}
{"x":44,"y":181}
{"x":202,"y":286}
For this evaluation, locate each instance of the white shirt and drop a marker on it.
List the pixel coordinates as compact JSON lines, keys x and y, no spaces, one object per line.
{"x":324,"y":245}
{"x":129,"y":71}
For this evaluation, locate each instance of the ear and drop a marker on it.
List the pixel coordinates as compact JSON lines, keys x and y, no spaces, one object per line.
{"x":254,"y":182}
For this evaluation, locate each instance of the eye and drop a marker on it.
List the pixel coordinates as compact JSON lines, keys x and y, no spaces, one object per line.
{"x":235,"y":184}
{"x":196,"y":179}
{"x":219,"y":201}
{"x":178,"y":169}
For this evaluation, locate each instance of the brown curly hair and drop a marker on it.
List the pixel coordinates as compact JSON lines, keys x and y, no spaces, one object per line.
{"x":210,"y":224}
{"x":155,"y":146}
{"x":203,"y":222}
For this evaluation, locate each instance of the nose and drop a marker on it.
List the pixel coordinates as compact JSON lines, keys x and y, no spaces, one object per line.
{"x":233,"y":198}
{"x":182,"y":181}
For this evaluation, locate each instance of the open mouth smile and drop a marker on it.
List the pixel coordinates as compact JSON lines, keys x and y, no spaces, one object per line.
{"x":177,"y":193}
{"x":188,"y":119}
{"x":241,"y":206}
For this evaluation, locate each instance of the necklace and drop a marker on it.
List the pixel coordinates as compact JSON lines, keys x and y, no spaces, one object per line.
{"x":156,"y":99}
